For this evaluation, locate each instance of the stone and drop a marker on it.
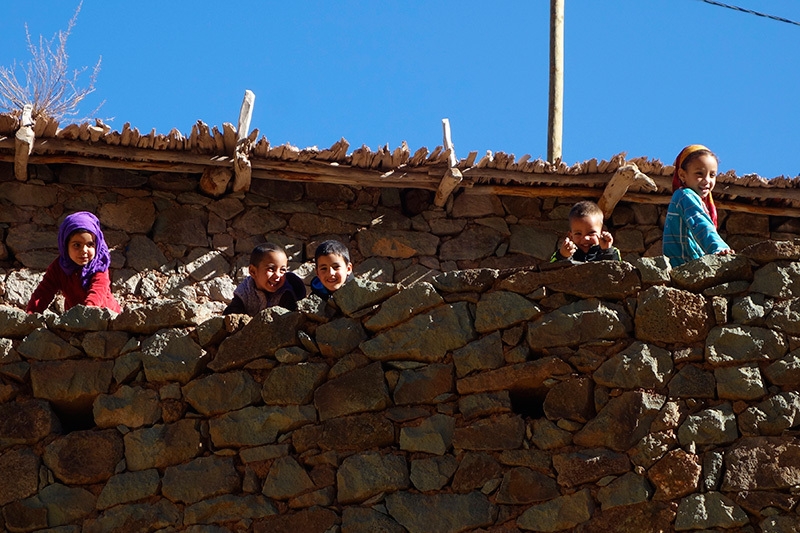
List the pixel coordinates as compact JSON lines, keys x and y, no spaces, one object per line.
{"x":786,"y":371}
{"x":548,"y":436}
{"x":363,"y":475}
{"x":485,"y":353}
{"x":28,"y":194}
{"x":400,"y":307}
{"x":524,"y":486}
{"x":751,"y":309}
{"x":366,"y":520}
{"x":564,"y":512}
{"x":104,"y":344}
{"x":630,"y":414}
{"x":675,"y":475}
{"x":420,"y":513}
{"x":160,"y":314}
{"x":375,"y":269}
{"x":641,"y":365}
{"x":504,"y":432}
{"x":500,"y":310}
{"x":482,"y":405}
{"x":761,"y":463}
{"x":693,"y":382}
{"x":201,"y":478}
{"x":669,"y":315}
{"x":208,"y":265}
{"x":425,"y":338}
{"x":340,"y":337}
{"x":433,"y":435}
{"x":471,"y":244}
{"x":654,"y":270}
{"x":530,"y":375}
{"x":396,"y":244}
{"x":589,"y":465}
{"x":129,"y":487}
{"x":424,"y":385}
{"x":160,"y":514}
{"x":84,"y":318}
{"x":314,"y":520}
{"x":350,"y":433}
{"x":44,"y":345}
{"x":143,"y":254}
{"x":768,"y":251}
{"x":473,"y":206}
{"x":475,"y":470}
{"x":293,"y":384}
{"x":20,"y":471}
{"x":131,"y":407}
{"x":357,"y":391}
{"x":71,"y":385}
{"x":221,"y":393}
{"x":709,"y":510}
{"x":66,"y":504}
{"x":710,"y":270}
{"x":432,"y":473}
{"x":316,"y":224}
{"x":181,"y":225}
{"x":739,"y":383}
{"x":26,"y":422}
{"x":172,"y":355}
{"x":784,"y":316}
{"x":628,"y":489}
{"x":162,"y":445}
{"x":16,"y":323}
{"x":269,"y":330}
{"x":286,"y":479}
{"x":658,"y":516}
{"x":572,"y":399}
{"x":715,"y":425}
{"x":534,"y":241}
{"x":470,"y":280}
{"x":358,"y":294}
{"x":595,"y":279}
{"x":743,"y":344}
{"x":226,"y":508}
{"x":256,"y":425}
{"x":84,"y":457}
{"x":131,"y":215}
{"x":577,"y":323}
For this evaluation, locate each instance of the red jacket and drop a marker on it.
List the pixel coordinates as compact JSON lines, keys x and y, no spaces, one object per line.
{"x":56,"y":280}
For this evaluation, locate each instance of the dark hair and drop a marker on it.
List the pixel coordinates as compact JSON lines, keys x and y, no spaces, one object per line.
{"x":332,"y":248}
{"x":694,"y":155}
{"x":261,"y":250}
{"x":585,"y":209}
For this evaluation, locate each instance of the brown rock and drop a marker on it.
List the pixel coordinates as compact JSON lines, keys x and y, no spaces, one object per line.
{"x":26,"y":422}
{"x":522,"y":486}
{"x":357,"y":391}
{"x":589,"y":465}
{"x":672,"y":316}
{"x":675,"y":475}
{"x":20,"y":471}
{"x":474,"y":471}
{"x":762,"y":463}
{"x":85,"y":457}
{"x":314,"y":520}
{"x":504,"y":432}
{"x":424,"y":385}
{"x":572,"y":399}
{"x":525,"y":376}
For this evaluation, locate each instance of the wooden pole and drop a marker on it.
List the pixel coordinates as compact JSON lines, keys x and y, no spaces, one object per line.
{"x":556,"y":110}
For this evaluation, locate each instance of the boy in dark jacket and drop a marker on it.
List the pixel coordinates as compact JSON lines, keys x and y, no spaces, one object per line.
{"x":586,"y":240}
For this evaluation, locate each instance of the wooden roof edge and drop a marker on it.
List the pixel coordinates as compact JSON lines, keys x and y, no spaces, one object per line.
{"x":100,"y":141}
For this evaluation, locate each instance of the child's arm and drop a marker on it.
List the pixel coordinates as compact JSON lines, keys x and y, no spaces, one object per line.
{"x":566,"y":249}
{"x":45,"y":291}
{"x":99,"y":292}
{"x":236,"y":307}
{"x":701,"y":226}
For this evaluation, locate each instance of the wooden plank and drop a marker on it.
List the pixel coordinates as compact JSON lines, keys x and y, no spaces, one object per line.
{"x":23,"y":143}
{"x":245,"y":115}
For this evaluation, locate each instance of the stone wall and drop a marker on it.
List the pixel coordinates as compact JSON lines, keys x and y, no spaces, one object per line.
{"x":170,"y":241}
{"x":598,"y":397}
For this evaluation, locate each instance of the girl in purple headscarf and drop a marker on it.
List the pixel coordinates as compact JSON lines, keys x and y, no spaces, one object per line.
{"x":80,"y":272}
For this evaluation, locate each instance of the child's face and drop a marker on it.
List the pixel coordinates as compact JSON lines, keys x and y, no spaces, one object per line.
{"x":700,"y":174}
{"x":81,"y":248}
{"x":270,"y":274}
{"x":585,"y":231}
{"x":332,"y":271}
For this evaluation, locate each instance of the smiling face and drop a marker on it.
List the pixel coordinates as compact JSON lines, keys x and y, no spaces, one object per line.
{"x":585,"y":231}
{"x":332,"y":271}
{"x":700,"y":174}
{"x":270,"y":274}
{"x":81,"y":247}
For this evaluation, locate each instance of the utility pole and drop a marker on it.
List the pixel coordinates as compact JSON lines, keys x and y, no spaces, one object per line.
{"x":555,"y":116}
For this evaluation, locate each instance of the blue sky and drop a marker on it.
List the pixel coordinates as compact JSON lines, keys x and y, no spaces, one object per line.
{"x":644,"y":77}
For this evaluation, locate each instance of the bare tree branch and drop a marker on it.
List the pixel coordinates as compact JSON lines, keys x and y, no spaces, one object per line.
{"x":45,"y":81}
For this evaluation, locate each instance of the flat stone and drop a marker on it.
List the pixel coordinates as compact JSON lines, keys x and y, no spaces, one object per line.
{"x":256,"y":426}
{"x":786,"y":371}
{"x":420,"y":513}
{"x":71,"y":385}
{"x":220,"y":393}
{"x":589,"y":465}
{"x":522,"y":486}
{"x":269,"y":330}
{"x":159,"y":515}
{"x":768,"y":251}
{"x":424,"y":385}
{"x":16,"y":323}
{"x":501,"y":310}
{"x":131,"y":407}
{"x":366,"y":520}
{"x":357,"y":391}
{"x":572,"y":399}
{"x":396,"y":244}
{"x":172,"y":355}
{"x":26,"y":422}
{"x":143,"y":254}
{"x":630,"y":414}
{"x":564,"y":512}
{"x":709,"y":510}
{"x":20,"y":471}
{"x":131,"y":215}
{"x":433,"y":435}
{"x":129,"y":487}
{"x":226,"y":508}
{"x":162,"y":445}
{"x":739,"y":383}
{"x":710,"y":270}
{"x":471,"y":244}
{"x":104,"y":344}
{"x":407,"y":303}
{"x":715,"y":425}
{"x":693,"y":382}
{"x":84,"y":457}
{"x":201,"y":478}
{"x":286,"y":479}
{"x":672,"y":316}
{"x":364,"y":475}
{"x":44,"y":345}
{"x":485,"y":353}
{"x":432,"y":473}
{"x":628,"y":489}
{"x":293,"y":384}
{"x":340,"y":337}
{"x":160,"y":314}
{"x":504,"y":432}
{"x":579,"y":322}
{"x":82,"y":318}
{"x":743,"y":344}
{"x":314,"y":520}
{"x":530,"y":375}
{"x":481,"y":405}
{"x":641,"y":365}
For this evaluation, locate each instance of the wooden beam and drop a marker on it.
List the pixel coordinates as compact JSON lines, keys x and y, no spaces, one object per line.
{"x":556,"y":93}
{"x":23,"y":143}
{"x":619,"y":184}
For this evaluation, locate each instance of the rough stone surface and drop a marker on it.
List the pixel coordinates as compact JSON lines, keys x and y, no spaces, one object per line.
{"x":564,"y":512}
{"x":577,"y":323}
{"x":84,"y":457}
{"x":669,"y":315}
{"x":364,"y":475}
{"x":640,"y":365}
{"x":440,"y":512}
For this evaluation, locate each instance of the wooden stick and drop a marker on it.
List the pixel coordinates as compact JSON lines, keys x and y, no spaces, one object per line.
{"x":618,"y":185}
{"x":245,"y":114}
{"x":23,"y":143}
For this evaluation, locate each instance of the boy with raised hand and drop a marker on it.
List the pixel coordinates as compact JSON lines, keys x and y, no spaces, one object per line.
{"x":586,"y":240}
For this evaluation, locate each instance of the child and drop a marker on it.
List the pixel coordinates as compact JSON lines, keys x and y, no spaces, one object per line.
{"x":586,"y":241}
{"x":690,"y":229}
{"x":334,"y":269}
{"x":80,"y":272}
{"x":269,"y":283}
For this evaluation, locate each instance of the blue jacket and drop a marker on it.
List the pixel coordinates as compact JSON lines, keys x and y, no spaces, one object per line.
{"x":689,"y":232}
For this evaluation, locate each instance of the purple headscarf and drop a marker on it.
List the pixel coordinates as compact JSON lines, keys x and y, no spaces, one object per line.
{"x":86,"y":221}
